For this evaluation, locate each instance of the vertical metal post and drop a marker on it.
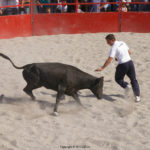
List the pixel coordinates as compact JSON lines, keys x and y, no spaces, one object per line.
{"x":31,"y":13}
{"x":120,"y":15}
{"x":76,"y":6}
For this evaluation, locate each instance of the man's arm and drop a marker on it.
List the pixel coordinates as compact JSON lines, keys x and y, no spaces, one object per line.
{"x":107,"y":62}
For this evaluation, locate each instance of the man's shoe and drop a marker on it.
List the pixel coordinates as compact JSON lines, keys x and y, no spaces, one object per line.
{"x":128,"y":86}
{"x":137,"y":99}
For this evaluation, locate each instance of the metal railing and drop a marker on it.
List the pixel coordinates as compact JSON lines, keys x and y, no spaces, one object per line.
{"x":119,"y":6}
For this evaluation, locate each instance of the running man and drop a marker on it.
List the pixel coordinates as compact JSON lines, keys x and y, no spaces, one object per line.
{"x":120,"y":51}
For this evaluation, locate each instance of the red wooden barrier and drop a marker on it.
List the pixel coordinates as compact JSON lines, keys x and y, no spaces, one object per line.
{"x":15,"y":26}
{"x":135,"y":22}
{"x":70,"y":23}
{"x":75,"y":23}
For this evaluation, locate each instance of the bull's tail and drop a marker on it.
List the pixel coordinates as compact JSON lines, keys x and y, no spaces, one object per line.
{"x":6,"y":57}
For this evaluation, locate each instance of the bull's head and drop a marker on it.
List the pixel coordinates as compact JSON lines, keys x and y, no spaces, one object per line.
{"x":97,"y":88}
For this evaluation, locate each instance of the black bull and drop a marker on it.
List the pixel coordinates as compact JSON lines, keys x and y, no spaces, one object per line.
{"x":64,"y":79}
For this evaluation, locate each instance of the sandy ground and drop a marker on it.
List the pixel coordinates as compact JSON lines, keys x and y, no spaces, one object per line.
{"x":113,"y":123}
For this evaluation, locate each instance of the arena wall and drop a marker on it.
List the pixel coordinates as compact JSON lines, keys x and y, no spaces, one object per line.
{"x":71,"y":23}
{"x":75,"y":23}
{"x":15,"y":26}
{"x":135,"y":22}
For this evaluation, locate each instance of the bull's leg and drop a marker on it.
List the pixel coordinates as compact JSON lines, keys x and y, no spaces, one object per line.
{"x":76,"y":97}
{"x":28,"y":90}
{"x":60,"y":94}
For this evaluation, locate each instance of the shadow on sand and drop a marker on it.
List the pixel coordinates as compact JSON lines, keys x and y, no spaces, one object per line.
{"x":106,"y":97}
{"x":46,"y":104}
{"x":42,"y":104}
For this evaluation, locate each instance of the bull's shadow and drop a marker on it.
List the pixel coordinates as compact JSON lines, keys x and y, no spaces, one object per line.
{"x":48,"y":104}
{"x":45,"y":93}
{"x":45,"y":104}
{"x":24,"y":100}
{"x":105,"y":96}
{"x":10,"y":100}
{"x":109,"y":98}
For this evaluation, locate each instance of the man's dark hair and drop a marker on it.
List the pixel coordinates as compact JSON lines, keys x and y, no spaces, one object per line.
{"x":110,"y":37}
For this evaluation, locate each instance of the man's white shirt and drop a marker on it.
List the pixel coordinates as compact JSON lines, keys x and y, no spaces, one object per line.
{"x":119,"y":50}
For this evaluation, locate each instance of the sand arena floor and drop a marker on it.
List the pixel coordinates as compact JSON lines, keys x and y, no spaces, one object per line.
{"x":113,"y":123}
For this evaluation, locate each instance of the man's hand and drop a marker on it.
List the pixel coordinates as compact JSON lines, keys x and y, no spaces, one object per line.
{"x":99,"y":69}
{"x":107,"y":62}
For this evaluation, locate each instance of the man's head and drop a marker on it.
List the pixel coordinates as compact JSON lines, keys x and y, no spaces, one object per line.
{"x":110,"y":38}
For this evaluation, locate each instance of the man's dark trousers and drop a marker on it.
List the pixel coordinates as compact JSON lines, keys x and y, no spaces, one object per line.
{"x":129,"y":70}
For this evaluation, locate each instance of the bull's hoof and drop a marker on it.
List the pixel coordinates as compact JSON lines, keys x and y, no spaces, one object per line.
{"x":100,"y":98}
{"x":62,"y":98}
{"x":55,"y":113}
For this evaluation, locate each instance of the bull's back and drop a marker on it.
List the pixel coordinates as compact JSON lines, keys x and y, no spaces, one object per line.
{"x":58,"y":69}
{"x":52,"y":74}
